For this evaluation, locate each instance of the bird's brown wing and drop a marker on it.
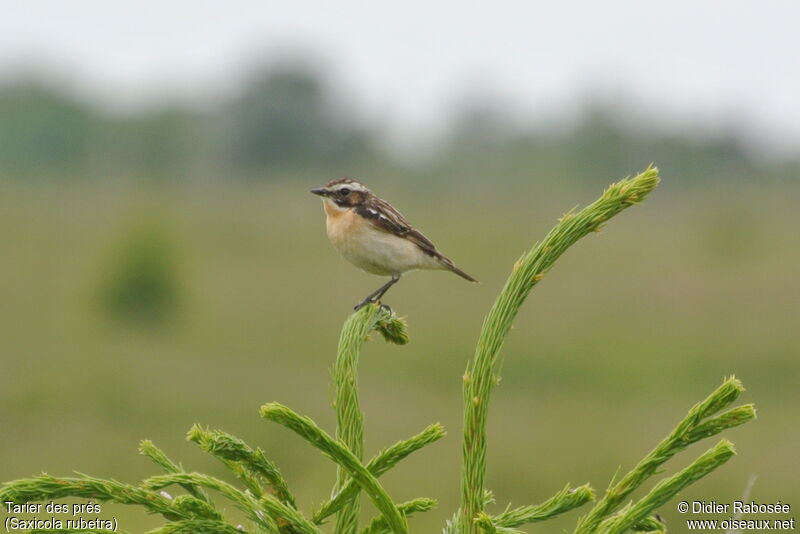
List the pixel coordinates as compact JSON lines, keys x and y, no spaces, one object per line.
{"x":384,"y":217}
{"x":387,"y":219}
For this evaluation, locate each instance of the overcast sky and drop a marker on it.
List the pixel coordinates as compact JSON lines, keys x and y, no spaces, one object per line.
{"x":405,"y":63}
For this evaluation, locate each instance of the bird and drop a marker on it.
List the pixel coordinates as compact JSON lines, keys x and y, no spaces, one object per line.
{"x":375,"y":237}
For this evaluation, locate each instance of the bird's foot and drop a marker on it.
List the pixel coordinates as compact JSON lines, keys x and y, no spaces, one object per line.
{"x":372,"y":301}
{"x":362,"y":304}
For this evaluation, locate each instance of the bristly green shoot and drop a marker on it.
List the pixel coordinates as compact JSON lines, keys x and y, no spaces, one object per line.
{"x":341,"y":455}
{"x":159,"y":457}
{"x":529,"y":270}
{"x":699,"y":423}
{"x":668,"y":488}
{"x":349,"y":418}
{"x":382,"y":462}
{"x":565,"y":500}
{"x":248,"y":463}
{"x":379,"y":524}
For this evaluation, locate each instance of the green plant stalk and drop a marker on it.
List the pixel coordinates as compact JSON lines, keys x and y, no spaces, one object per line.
{"x":288,"y":515}
{"x":651,"y":525}
{"x":382,"y":462}
{"x":195,"y":526}
{"x":250,"y":481}
{"x":159,"y":457}
{"x":349,"y":418}
{"x":528,"y":271}
{"x":46,"y":488}
{"x":196,"y":508}
{"x":732,"y":418}
{"x":565,"y":500}
{"x":379,"y":526}
{"x":245,"y":502}
{"x":691,"y":429}
{"x":668,"y":488}
{"x":453,"y":525}
{"x":232,"y":449}
{"x":307,"y":429}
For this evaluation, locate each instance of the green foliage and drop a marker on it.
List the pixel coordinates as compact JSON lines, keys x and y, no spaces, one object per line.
{"x":193,"y":526}
{"x":341,"y":455}
{"x":271,"y":508}
{"x":142,"y":284}
{"x":159,"y":143}
{"x":243,"y":461}
{"x":480,"y":377}
{"x":697,"y":425}
{"x":349,"y":419}
{"x":379,"y":525}
{"x":382,"y":462}
{"x":562,"y":502}
{"x":43,"y":130}
{"x":285,"y":118}
{"x":633,"y":514}
{"x":45,"y":487}
{"x":159,"y":457}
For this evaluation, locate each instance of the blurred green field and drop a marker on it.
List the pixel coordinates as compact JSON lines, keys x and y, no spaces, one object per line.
{"x":631,"y":328}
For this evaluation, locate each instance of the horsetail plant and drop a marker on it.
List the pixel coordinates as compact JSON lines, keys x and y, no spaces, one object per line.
{"x":267,"y":502}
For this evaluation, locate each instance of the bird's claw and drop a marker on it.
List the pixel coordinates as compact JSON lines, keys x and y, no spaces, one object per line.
{"x":362,"y":304}
{"x":372,"y":301}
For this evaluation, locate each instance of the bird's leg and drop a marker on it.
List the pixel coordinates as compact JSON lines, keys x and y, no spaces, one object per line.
{"x":378,"y":293}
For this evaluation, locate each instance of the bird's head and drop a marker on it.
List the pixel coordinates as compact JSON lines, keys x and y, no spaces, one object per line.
{"x":344,"y":192}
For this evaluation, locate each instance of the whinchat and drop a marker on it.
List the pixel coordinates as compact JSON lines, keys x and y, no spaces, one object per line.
{"x":375,"y":237}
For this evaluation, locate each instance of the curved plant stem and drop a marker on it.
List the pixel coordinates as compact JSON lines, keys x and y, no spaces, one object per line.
{"x":349,"y":418}
{"x":382,"y":462}
{"x":333,"y":449}
{"x":698,"y":424}
{"x":528,"y":271}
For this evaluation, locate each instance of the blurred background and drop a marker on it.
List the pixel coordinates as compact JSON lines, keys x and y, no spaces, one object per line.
{"x":162,"y":262}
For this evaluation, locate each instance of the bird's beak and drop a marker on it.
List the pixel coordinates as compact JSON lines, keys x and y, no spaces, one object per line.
{"x":320,"y":192}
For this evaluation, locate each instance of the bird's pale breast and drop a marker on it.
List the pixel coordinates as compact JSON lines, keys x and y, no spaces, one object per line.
{"x":371,"y":249}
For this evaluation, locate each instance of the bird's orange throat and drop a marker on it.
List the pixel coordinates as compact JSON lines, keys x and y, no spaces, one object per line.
{"x":332,"y":210}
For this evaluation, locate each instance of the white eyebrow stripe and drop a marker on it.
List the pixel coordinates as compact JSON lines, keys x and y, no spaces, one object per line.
{"x":353,"y":186}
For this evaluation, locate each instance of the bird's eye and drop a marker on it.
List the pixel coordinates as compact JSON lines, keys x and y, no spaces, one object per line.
{"x":344,"y":192}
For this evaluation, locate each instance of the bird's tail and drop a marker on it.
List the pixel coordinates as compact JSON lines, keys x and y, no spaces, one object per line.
{"x":450,"y":266}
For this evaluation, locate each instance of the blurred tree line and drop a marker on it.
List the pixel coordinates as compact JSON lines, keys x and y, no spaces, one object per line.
{"x":285,"y":119}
